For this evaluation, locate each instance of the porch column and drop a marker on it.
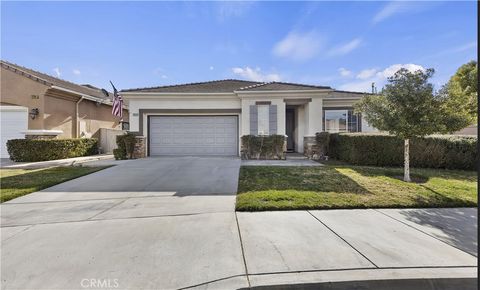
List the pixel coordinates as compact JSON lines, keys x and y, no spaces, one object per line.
{"x":313,"y":124}
{"x":313,"y":117}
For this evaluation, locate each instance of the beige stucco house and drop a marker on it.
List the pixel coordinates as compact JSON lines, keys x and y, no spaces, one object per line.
{"x":51,"y":107}
{"x":209,"y":118}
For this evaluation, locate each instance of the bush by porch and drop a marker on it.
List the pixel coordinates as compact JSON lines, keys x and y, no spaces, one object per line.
{"x":264,"y":147}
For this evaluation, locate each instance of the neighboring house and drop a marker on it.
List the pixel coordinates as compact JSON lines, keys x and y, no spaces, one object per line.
{"x":50,"y":107}
{"x":209,"y":118}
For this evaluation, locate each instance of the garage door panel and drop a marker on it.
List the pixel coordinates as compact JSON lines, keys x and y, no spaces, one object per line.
{"x":193,"y":135}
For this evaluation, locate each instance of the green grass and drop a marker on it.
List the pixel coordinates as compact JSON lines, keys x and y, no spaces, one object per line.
{"x":18,"y":182}
{"x":344,"y":186}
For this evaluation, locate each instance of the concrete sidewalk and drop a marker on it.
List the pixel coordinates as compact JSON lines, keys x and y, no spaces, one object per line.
{"x":206,"y":251}
{"x":305,"y":247}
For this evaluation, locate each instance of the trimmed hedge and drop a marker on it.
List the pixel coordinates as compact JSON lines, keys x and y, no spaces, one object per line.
{"x":125,"y":146}
{"x":263,"y":147}
{"x":30,"y":150}
{"x":451,"y":152}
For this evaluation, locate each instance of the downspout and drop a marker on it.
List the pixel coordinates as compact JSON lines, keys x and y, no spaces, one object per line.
{"x":77,"y":121}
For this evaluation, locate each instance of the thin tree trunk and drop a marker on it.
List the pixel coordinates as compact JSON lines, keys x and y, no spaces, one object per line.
{"x":406,"y":172}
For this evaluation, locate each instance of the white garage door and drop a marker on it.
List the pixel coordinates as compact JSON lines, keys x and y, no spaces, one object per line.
{"x":193,"y":135}
{"x":13,"y":121}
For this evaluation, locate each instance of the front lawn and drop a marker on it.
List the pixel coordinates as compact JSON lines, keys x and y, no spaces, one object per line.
{"x":345,"y":186}
{"x":18,"y":182}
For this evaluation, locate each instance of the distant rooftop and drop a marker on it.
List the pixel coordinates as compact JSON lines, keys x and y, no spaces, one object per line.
{"x":54,"y":81}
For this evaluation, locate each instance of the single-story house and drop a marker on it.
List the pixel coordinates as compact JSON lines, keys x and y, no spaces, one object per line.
{"x":37,"y":105}
{"x":209,"y":118}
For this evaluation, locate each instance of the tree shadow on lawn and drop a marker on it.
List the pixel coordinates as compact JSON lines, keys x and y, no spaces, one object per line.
{"x":422,"y":175}
{"x":421,"y":178}
{"x":459,"y":225}
{"x":314,"y":179}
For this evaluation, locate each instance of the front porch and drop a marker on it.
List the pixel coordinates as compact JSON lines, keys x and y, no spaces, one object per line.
{"x":303,"y":119}
{"x":299,"y":115}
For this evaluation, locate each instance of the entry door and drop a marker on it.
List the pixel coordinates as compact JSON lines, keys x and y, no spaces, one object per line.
{"x":289,"y":128}
{"x":193,"y":135}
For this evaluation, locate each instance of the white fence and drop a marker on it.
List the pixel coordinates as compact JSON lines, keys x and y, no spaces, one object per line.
{"x":108,"y":139}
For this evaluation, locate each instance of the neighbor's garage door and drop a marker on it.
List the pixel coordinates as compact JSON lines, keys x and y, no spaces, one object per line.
{"x":13,"y":122}
{"x":193,"y":135}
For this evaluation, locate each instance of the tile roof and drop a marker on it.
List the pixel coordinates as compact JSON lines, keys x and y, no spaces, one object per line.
{"x":226,"y":86}
{"x":53,"y":81}
{"x":282,"y":86}
{"x":220,"y":86}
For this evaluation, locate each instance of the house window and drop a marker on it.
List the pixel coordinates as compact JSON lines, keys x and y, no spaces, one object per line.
{"x":336,"y":120}
{"x":263,"y":119}
{"x":353,"y":122}
{"x":341,"y":121}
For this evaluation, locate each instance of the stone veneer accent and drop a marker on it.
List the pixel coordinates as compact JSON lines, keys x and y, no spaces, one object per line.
{"x":310,"y":148}
{"x":40,"y":137}
{"x":140,"y":150}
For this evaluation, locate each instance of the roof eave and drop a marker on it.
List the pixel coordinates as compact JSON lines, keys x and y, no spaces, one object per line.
{"x":85,"y":96}
{"x":264,"y":92}
{"x":166,"y":94}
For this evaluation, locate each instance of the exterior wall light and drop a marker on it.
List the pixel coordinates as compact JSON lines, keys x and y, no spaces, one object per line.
{"x":125,"y":125}
{"x":33,"y":113}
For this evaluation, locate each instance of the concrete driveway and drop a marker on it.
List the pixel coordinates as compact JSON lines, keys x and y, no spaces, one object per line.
{"x":169,"y":223}
{"x":158,"y":223}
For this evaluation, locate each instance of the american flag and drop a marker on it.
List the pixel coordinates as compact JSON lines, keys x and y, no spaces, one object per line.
{"x":117,"y":107}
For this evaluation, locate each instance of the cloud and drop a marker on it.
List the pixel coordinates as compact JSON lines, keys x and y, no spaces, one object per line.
{"x":465,"y":47}
{"x":345,"y":48}
{"x":389,"y":10}
{"x":57,"y":71}
{"x":398,"y":7}
{"x":369,"y":76}
{"x":160,"y":72}
{"x":255,"y":74}
{"x":211,"y":68}
{"x":391,"y":70}
{"x":344,"y":72}
{"x":298,"y":46}
{"x":452,"y":50}
{"x":76,"y":72}
{"x":366,"y":73}
{"x":461,"y":48}
{"x":229,"y":9}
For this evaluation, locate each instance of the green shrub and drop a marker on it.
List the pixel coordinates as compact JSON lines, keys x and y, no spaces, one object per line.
{"x":30,"y":150}
{"x":323,"y":142}
{"x":119,"y":154}
{"x":451,"y":152}
{"x":263,"y":147}
{"x":125,"y":146}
